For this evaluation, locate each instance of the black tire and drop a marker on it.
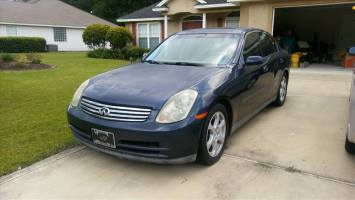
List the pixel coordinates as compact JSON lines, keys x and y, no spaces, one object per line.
{"x":279,"y":100}
{"x":349,"y":146}
{"x":203,"y":155}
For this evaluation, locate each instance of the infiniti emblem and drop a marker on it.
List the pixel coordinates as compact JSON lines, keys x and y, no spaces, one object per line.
{"x":104,"y":111}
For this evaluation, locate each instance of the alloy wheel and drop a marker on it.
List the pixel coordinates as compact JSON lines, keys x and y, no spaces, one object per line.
{"x":283,"y":89}
{"x":216,"y":134}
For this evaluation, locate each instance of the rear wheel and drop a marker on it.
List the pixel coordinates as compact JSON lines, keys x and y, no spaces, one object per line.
{"x":213,"y":138}
{"x":282,"y":92}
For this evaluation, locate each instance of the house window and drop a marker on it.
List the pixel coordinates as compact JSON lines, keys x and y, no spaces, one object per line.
{"x":232,"y":20}
{"x":60,"y":34}
{"x":11,"y":30}
{"x":148,"y":35}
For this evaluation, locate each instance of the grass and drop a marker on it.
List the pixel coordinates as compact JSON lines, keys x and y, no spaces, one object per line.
{"x":33,"y":105}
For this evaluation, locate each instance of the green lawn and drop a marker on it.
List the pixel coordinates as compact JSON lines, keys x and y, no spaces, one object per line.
{"x":33,"y":107}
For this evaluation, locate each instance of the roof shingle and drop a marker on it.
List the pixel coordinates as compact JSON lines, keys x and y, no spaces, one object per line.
{"x":46,"y":12}
{"x":146,"y":12}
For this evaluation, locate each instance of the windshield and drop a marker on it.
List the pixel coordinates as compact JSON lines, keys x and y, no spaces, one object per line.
{"x":196,"y":49}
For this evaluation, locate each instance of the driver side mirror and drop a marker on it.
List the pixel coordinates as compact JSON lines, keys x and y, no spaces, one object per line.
{"x":254,"y":60}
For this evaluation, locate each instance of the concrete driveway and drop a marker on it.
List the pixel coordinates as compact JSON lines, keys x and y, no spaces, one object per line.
{"x":296,"y":151}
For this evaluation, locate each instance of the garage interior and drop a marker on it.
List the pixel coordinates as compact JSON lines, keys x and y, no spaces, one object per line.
{"x":318,"y":34}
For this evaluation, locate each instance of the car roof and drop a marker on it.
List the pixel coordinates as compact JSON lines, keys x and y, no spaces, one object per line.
{"x":240,"y":30}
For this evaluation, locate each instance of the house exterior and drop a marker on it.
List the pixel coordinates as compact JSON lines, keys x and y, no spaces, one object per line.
{"x":154,"y":23}
{"x":57,"y":22}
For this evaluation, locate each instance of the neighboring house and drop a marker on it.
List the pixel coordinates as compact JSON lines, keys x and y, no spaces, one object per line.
{"x":57,"y":22}
{"x":328,"y":21}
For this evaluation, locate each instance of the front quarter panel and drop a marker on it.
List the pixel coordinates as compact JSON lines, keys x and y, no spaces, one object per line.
{"x":212,"y":88}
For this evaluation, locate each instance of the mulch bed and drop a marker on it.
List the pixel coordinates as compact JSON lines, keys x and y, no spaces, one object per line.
{"x":22,"y":66}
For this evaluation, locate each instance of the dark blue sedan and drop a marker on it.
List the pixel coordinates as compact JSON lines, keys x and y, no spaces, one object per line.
{"x":184,"y":99}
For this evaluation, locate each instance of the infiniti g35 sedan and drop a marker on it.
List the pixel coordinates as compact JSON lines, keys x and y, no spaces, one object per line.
{"x":184,"y":99}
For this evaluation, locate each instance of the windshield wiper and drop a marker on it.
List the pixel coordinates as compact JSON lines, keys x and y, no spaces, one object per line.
{"x":185,"y":64}
{"x":152,"y":62}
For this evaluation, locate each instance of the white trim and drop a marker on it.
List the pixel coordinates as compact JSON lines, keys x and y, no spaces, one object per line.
{"x":160,"y":9}
{"x":273,"y":21}
{"x":148,"y":32}
{"x":204,"y":20}
{"x":220,"y":5}
{"x":42,"y":25}
{"x":141,"y":19}
{"x":201,"y":1}
{"x":163,"y":2}
{"x":312,"y":4}
{"x":165,"y":26}
{"x":242,"y":0}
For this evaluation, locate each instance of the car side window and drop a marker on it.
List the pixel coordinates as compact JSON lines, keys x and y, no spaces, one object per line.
{"x":252,"y":45}
{"x":267,"y":45}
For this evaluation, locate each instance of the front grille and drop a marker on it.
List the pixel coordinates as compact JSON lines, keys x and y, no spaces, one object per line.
{"x":114,"y":112}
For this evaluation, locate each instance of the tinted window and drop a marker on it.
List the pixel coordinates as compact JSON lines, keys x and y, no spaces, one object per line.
{"x":252,"y":45}
{"x":267,"y":45}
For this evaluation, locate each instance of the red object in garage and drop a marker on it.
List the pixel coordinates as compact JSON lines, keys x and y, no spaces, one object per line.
{"x":349,"y":61}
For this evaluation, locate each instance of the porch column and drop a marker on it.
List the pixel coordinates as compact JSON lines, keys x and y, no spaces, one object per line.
{"x":165,"y":26}
{"x":204,"y":20}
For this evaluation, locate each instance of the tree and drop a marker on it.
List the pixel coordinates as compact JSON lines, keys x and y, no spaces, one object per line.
{"x":95,"y":35}
{"x":119,"y":37}
{"x":110,"y":9}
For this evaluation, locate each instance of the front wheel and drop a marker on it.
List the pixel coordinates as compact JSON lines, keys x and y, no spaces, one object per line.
{"x":349,"y":146}
{"x":214,"y":134}
{"x":282,"y":92}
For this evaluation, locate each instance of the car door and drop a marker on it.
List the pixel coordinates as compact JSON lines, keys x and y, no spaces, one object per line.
{"x":271,"y":66}
{"x":251,"y":77}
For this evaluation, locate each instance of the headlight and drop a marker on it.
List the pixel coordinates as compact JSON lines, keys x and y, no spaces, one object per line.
{"x":177,"y":107}
{"x":78,"y":93}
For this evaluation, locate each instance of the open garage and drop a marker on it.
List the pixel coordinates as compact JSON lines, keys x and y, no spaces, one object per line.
{"x":322,"y":33}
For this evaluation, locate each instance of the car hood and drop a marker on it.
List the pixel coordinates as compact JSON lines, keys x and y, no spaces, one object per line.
{"x":144,"y":84}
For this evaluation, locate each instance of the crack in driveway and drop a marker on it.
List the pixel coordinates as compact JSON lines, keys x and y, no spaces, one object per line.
{"x":290,"y":169}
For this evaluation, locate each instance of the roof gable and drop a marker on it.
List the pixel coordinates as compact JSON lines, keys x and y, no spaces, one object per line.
{"x":164,"y":2}
{"x":201,"y":2}
{"x":156,"y":11}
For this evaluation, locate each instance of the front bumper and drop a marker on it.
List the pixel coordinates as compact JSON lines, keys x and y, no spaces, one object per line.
{"x":143,"y":141}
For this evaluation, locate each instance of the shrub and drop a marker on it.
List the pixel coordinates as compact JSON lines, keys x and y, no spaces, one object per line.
{"x":95,"y":35}
{"x":21,"y":58}
{"x":22,"y":44}
{"x":104,"y":53}
{"x":34,"y":58}
{"x":133,"y":52}
{"x":119,"y":37}
{"x":6,"y":57}
{"x":127,"y":53}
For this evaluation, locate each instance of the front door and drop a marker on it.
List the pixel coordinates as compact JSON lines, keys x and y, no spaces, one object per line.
{"x":254,"y":78}
{"x":191,"y":25}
